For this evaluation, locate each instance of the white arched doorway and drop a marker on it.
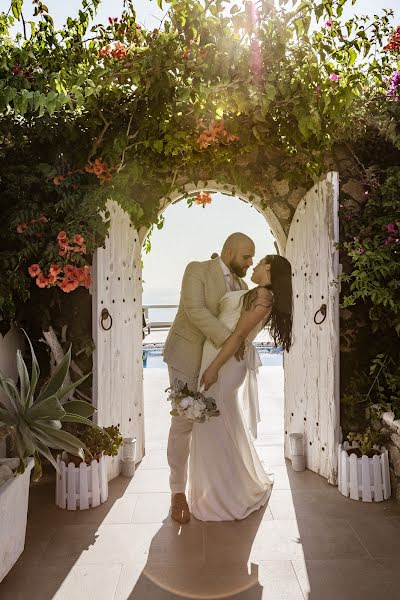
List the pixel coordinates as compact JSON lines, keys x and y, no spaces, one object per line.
{"x":312,"y":366}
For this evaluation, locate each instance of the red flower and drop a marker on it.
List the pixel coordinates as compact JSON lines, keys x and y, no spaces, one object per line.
{"x":394,"y":42}
{"x":62,"y":236}
{"x":21,"y":227}
{"x":34,"y":270}
{"x":68,"y":270}
{"x":78,"y":239}
{"x":42,"y":281}
{"x":58,"y":179}
{"x":203,"y":198}
{"x":54,"y":270}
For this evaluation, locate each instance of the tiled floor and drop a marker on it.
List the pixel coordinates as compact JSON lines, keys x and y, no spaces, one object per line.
{"x":308,"y":543}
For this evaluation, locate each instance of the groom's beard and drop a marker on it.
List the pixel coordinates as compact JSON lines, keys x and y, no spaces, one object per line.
{"x":238,"y":269}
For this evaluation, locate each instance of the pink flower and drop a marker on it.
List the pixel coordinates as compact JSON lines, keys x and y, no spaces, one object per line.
{"x":42,"y":281}
{"x":328,"y":23}
{"x":78,"y":239}
{"x":334,"y":77}
{"x":361,"y":250}
{"x":54,"y":270}
{"x":62,"y":236}
{"x":69,"y":269}
{"x":21,"y":227}
{"x":34,"y":270}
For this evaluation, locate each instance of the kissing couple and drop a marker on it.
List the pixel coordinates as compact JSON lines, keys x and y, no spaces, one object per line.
{"x":210,"y":344}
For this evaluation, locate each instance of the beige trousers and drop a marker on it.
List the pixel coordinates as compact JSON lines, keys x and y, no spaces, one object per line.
{"x":180,"y":435}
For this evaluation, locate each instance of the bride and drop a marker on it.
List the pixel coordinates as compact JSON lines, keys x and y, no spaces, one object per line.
{"x":226,"y":478}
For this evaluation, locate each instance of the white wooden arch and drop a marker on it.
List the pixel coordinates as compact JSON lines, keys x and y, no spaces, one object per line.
{"x":312,"y":365}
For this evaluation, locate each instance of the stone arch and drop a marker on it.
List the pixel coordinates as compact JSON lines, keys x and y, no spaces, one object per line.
{"x":192,"y":188}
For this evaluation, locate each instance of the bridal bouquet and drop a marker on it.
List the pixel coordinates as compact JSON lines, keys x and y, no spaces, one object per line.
{"x":192,"y":405}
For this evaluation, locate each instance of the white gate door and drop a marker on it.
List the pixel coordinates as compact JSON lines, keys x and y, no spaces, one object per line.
{"x":312,"y":404}
{"x":117,"y":330}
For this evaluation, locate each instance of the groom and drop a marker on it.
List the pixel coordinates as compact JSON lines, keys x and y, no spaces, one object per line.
{"x":203,"y":285}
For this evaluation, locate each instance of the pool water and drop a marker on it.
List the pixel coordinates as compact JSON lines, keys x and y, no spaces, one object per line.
{"x":154,"y":360}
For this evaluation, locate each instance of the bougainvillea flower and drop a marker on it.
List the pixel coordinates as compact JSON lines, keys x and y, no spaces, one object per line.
{"x":334,"y":77}
{"x":34,"y":270}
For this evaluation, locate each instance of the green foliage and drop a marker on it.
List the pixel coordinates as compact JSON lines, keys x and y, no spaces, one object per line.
{"x":139,"y":100}
{"x":96,"y":441}
{"x":371,"y":295}
{"x":368,"y":441}
{"x":35,"y":421}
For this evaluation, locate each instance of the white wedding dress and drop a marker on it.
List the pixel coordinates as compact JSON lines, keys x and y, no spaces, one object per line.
{"x":226,"y":478}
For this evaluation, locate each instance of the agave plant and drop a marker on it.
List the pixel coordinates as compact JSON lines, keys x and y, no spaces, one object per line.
{"x":35,"y":424}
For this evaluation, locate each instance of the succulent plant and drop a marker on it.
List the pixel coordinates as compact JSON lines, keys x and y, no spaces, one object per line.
{"x":35,"y":423}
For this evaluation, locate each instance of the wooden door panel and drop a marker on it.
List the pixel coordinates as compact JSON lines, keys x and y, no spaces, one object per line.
{"x":312,"y":365}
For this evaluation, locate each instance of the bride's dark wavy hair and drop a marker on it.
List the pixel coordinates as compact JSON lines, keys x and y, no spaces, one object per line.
{"x":280,"y":320}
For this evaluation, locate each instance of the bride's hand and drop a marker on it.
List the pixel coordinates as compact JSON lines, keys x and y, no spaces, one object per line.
{"x":209,"y":377}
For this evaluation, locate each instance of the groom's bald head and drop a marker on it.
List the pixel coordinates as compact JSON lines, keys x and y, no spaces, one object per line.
{"x":238,"y":252}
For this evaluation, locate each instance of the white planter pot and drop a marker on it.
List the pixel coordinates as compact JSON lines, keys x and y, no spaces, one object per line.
{"x":83,"y":486}
{"x":14,"y":496}
{"x":363,"y":478}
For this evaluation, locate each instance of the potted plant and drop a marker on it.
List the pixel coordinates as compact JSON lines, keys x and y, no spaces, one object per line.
{"x":363,"y":466}
{"x":33,"y":425}
{"x":105,"y":441}
{"x":83,"y":483}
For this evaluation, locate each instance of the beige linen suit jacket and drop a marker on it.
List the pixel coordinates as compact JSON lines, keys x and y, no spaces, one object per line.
{"x":203,"y":285}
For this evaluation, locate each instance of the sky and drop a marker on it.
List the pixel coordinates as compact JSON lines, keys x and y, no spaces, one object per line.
{"x":190,"y":233}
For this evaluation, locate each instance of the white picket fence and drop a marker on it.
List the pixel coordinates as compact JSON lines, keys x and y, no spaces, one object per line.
{"x":363,"y":478}
{"x":83,"y":486}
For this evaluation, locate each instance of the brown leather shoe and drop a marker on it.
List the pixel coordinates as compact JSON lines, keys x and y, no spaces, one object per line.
{"x":179,"y":508}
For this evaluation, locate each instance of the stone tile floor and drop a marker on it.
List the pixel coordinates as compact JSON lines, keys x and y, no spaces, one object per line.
{"x":309,"y":543}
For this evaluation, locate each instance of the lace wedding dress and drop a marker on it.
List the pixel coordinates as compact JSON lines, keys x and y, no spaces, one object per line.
{"x":226,"y":478}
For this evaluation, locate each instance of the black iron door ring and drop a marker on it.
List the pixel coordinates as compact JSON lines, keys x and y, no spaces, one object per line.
{"x":104,"y":316}
{"x":321,"y":310}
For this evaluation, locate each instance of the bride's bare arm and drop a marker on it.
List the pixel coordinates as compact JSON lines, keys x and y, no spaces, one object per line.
{"x":259,"y":311}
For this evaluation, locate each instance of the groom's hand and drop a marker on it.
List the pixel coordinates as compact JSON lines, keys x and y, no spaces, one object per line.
{"x":239,"y":354}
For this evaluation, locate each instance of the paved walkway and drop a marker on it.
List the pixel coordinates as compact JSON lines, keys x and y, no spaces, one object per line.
{"x":309,"y":543}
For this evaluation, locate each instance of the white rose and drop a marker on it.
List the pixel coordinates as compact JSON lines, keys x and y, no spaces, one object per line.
{"x":185,"y":402}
